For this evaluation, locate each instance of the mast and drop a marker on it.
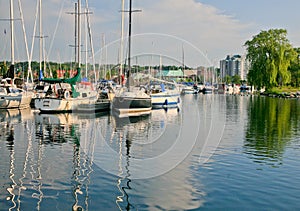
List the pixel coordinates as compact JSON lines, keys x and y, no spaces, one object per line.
{"x":41,"y":31}
{"x":75,"y":31}
{"x":86,"y":43}
{"x":12,"y":35}
{"x":129,"y":45}
{"x":78,"y":32}
{"x":121,"y":41}
{"x":183,"y":65}
{"x":90,"y":38}
{"x":160,"y":67}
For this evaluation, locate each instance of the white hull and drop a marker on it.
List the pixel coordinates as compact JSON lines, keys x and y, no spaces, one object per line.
{"x":189,"y":90}
{"x":15,"y":100}
{"x":62,"y":104}
{"x":167,"y":99}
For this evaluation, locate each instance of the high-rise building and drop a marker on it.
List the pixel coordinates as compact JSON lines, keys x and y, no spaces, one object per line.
{"x":234,"y":65}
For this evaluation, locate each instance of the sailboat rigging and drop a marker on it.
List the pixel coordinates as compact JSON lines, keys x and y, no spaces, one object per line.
{"x":68,"y":94}
{"x":12,"y":94}
{"x":132,"y":100}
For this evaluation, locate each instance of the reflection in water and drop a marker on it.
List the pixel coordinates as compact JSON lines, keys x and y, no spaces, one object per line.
{"x":97,"y":161}
{"x":272,"y":124}
{"x":126,"y":129}
{"x":14,"y":127}
{"x":10,"y":146}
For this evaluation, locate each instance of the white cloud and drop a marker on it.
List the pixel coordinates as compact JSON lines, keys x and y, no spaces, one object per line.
{"x":205,"y":27}
{"x":175,"y":23}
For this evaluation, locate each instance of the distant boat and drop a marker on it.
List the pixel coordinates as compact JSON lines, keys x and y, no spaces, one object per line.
{"x":190,"y":89}
{"x":208,"y":89}
{"x":131,"y":101}
{"x":65,"y":95}
{"x":165,"y":94}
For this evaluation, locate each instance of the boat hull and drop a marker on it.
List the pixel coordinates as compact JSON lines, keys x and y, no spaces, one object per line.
{"x":190,"y":91}
{"x":56,"y":105}
{"x":15,"y":100}
{"x":165,"y":100}
{"x":100,"y":105}
{"x":132,"y":104}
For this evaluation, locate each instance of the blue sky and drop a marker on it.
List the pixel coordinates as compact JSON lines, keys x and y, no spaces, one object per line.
{"x":204,"y":31}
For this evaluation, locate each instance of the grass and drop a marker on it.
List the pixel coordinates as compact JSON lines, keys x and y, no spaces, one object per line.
{"x":283,"y":89}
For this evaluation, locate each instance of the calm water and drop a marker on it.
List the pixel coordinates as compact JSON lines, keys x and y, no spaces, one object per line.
{"x":216,"y":152}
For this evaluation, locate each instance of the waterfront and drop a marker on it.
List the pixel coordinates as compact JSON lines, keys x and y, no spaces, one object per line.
{"x":216,"y":152}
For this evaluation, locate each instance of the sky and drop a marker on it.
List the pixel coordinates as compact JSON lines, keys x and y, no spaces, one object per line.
{"x":193,"y":32}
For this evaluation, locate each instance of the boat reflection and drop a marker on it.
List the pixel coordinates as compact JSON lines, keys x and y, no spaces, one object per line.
{"x":77,"y":131}
{"x":55,"y":162}
{"x":46,"y":154}
{"x":15,"y":125}
{"x":142,"y":138}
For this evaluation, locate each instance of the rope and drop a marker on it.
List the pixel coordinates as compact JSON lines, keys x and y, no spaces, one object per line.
{"x":57,"y":23}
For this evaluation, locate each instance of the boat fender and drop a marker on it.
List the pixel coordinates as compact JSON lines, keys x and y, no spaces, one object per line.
{"x":178,"y":100}
{"x":67,"y":94}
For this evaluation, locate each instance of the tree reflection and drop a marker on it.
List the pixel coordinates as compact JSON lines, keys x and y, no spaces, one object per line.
{"x":272,"y":123}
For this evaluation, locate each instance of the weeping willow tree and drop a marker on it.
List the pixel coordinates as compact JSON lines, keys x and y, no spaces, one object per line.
{"x":270,"y":55}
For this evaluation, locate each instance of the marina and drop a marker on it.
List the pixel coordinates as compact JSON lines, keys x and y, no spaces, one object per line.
{"x":215,"y":153}
{"x":133,"y":115}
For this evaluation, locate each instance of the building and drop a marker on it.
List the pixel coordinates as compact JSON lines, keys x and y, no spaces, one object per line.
{"x":234,"y":65}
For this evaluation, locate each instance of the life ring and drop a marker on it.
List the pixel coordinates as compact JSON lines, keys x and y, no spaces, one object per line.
{"x":67,"y":94}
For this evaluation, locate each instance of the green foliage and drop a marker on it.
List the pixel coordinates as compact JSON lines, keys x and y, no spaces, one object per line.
{"x":228,"y":79}
{"x":269,"y":131}
{"x":270,"y":54}
{"x":295,"y":70}
{"x":236,"y":79}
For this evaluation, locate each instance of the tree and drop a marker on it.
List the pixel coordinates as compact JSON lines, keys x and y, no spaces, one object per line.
{"x":227,"y":79}
{"x":270,"y":55}
{"x":295,"y":70}
{"x":236,"y":79}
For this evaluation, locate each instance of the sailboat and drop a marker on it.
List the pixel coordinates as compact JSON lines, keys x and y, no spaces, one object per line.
{"x":12,"y":94}
{"x":68,"y":94}
{"x":164,"y":94}
{"x":131,"y":101}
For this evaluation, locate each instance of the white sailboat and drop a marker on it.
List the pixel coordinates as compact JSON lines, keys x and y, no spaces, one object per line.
{"x":132,"y":100}
{"x":164,"y":94}
{"x":67,"y":95}
{"x":165,"y":98}
{"x":12,"y":94}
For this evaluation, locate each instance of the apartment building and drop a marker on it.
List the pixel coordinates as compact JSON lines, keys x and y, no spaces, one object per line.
{"x":234,"y":65}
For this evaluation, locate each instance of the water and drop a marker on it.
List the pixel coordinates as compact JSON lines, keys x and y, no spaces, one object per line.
{"x":216,"y":152}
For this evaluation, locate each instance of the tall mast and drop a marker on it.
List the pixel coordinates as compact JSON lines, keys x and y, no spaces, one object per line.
{"x":121,"y":40}
{"x":12,"y":33}
{"x":86,"y":43}
{"x":41,"y":31}
{"x":75,"y":45}
{"x":79,"y":33}
{"x":129,"y":45}
{"x":129,"y":42}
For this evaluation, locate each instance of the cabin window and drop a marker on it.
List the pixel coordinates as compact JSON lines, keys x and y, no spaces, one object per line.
{"x":84,"y":95}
